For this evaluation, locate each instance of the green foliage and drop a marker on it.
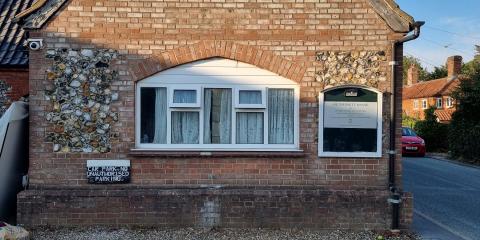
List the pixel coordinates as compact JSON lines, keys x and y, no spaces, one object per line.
{"x":408,"y":121}
{"x":409,"y":61}
{"x":423,"y":74}
{"x":465,"y":124}
{"x":434,"y":133}
{"x":438,"y":72}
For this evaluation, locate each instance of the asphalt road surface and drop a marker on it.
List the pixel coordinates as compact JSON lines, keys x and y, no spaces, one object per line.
{"x":446,"y":198}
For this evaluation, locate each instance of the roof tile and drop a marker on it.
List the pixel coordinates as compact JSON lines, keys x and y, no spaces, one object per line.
{"x":432,"y":88}
{"x":12,"y":36}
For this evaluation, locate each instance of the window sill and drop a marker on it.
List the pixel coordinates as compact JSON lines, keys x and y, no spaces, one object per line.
{"x":216,"y":154}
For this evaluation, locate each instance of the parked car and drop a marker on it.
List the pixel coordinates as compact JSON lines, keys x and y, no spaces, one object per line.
{"x":411,"y":143}
{"x":13,"y":159}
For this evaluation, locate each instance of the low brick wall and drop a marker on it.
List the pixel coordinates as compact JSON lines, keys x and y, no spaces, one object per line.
{"x":203,"y":207}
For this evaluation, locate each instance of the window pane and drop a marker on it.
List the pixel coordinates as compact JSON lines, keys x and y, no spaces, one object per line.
{"x":217,"y":116}
{"x":184,"y":96}
{"x":349,"y":140}
{"x":280,"y":116}
{"x":249,"y":128}
{"x":185,"y":129}
{"x":153,"y":105}
{"x":250,"y":97}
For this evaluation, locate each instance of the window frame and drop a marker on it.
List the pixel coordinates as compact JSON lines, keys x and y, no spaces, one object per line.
{"x":171,"y":92}
{"x":239,"y":105}
{"x":415,"y":104}
{"x":437,"y":101}
{"x":378,"y":153}
{"x":233,"y":146}
{"x":449,"y":102}
{"x":424,"y":106}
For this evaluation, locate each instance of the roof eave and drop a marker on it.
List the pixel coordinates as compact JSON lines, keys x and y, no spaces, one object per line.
{"x":398,"y":20}
{"x":39,"y":13}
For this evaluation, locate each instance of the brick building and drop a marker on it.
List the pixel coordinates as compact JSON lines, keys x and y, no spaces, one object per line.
{"x":418,"y":96}
{"x":216,"y":105}
{"x":13,"y":54}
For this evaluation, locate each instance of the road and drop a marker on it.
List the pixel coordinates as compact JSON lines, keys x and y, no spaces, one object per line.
{"x":446,"y":198}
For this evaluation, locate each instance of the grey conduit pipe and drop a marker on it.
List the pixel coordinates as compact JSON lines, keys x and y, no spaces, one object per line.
{"x":395,"y":197}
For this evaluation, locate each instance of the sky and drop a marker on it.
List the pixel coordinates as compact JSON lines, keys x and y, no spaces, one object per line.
{"x":452,"y":28}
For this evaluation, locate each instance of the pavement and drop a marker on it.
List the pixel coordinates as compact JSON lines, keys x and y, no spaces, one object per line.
{"x":446,"y":198}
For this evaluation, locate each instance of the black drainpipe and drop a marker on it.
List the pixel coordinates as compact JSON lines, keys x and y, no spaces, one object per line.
{"x":395,"y":198}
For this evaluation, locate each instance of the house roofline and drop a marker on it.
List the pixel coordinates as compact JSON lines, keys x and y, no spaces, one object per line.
{"x":41,"y":11}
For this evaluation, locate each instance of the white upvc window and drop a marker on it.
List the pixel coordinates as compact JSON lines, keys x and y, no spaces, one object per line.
{"x":448,"y":102}
{"x":424,"y":104}
{"x":219,"y":113}
{"x":439,"y":102}
{"x":415,"y":104}
{"x":184,"y":96}
{"x":250,"y":97}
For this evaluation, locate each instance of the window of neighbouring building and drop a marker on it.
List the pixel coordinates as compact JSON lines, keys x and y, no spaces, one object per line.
{"x":415,"y":104}
{"x":217,"y":104}
{"x":350,"y":122}
{"x":448,"y":102}
{"x":424,"y":104}
{"x":439,"y":102}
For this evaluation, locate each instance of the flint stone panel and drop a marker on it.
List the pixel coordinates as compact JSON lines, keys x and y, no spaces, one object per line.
{"x":81,"y":97}
{"x":356,"y":67}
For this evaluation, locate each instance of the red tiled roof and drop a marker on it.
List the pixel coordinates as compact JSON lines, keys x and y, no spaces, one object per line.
{"x":444,"y":114}
{"x":432,"y":88}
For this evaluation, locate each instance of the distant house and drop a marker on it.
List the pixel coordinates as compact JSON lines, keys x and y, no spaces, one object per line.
{"x":418,"y":96}
{"x":13,"y":53}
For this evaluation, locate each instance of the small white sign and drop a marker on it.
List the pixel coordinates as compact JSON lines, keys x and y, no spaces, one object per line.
{"x":350,"y":115}
{"x":108,"y":163}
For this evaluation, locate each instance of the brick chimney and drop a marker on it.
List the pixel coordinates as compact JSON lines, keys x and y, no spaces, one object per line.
{"x":412,"y":75}
{"x":454,"y":66}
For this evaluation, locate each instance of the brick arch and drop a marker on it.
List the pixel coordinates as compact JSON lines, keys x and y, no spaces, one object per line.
{"x":267,"y":60}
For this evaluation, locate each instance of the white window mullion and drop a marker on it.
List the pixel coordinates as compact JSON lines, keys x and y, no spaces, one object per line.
{"x":234,"y":120}
{"x":169,"y":124}
{"x":266,"y":124}
{"x":200,"y":115}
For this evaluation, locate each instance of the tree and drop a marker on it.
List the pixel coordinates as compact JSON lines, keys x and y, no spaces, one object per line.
{"x":408,"y":61}
{"x":438,"y":72}
{"x":434,"y":133}
{"x":465,"y":124}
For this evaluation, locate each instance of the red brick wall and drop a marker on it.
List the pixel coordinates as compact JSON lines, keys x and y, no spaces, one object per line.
{"x":142,"y":29}
{"x":289,"y":31}
{"x":17,"y":78}
{"x":234,"y":208}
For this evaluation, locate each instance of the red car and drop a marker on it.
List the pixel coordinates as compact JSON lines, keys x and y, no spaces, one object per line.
{"x":411,"y":143}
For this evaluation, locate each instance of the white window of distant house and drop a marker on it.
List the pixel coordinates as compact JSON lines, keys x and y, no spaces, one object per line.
{"x":350,"y":122}
{"x":424,"y":104}
{"x":415,"y":104}
{"x":217,"y":105}
{"x":439,"y":103}
{"x":449,"y":102}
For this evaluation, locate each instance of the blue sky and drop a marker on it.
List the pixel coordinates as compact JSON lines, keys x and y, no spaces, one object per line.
{"x":452,"y":28}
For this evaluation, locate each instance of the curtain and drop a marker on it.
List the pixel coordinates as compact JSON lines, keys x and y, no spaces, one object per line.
{"x":185,"y":127}
{"x":184,"y":96}
{"x":250,"y":97}
{"x":280,"y":116}
{"x":249,"y":128}
{"x":160,"y":131}
{"x":217,"y":116}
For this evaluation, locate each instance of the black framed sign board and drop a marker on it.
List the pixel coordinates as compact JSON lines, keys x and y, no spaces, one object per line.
{"x":350,"y":122}
{"x":108,"y":171}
